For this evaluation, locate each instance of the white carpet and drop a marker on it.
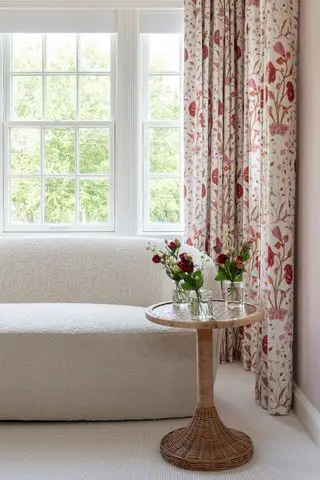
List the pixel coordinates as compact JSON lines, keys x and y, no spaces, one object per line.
{"x":129,"y":450}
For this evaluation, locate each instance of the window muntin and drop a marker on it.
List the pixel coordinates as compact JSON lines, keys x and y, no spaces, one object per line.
{"x":58,"y":131}
{"x":162,"y":131}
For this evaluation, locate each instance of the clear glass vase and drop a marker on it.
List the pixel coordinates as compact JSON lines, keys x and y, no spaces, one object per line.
{"x":179,"y":296}
{"x":233,"y":293}
{"x":201,"y":305}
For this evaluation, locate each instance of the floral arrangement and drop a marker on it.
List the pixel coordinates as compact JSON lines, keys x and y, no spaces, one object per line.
{"x":180,"y":267}
{"x":230,"y":263}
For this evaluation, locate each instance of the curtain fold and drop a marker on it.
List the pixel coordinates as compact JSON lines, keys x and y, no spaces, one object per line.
{"x":240,"y":134}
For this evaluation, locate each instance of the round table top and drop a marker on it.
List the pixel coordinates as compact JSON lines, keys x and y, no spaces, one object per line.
{"x":223,"y":316}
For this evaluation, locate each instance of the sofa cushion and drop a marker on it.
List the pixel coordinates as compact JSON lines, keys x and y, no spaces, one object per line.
{"x":92,"y":362}
{"x":72,"y":318}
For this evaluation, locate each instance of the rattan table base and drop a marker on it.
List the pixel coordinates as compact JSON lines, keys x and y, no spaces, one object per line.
{"x":206,"y":444}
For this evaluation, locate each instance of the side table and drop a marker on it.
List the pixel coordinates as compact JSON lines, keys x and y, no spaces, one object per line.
{"x":206,"y":443}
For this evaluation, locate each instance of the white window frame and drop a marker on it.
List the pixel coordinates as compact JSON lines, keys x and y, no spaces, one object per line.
{"x":126,"y":143}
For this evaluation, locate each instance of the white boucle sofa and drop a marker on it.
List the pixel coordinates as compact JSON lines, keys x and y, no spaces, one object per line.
{"x":74,"y":341}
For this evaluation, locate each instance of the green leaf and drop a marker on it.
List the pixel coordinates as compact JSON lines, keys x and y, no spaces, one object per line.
{"x":238,"y":278}
{"x":196,"y":279}
{"x":222,"y":275}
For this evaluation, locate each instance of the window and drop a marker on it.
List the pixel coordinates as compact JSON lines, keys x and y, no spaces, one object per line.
{"x":162,"y":131}
{"x":58,"y":130}
{"x":92,"y":121}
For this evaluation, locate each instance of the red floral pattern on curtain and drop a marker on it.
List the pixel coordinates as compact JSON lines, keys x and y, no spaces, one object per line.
{"x":240,"y":134}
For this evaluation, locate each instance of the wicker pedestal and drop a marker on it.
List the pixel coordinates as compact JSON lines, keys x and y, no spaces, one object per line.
{"x":206,"y":443}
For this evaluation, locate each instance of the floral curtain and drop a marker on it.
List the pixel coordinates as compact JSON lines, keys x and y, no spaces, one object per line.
{"x":240,"y":152}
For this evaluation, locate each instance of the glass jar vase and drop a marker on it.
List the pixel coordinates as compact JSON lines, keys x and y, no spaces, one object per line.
{"x":201,"y":305}
{"x":179,"y":296}
{"x":233,"y":294}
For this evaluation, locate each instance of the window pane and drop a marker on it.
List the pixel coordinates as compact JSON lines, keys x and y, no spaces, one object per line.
{"x":61,"y":52}
{"x":164,"y":200}
{"x":164,"y":144}
{"x":94,"y":52}
{"x":164,"y":53}
{"x":94,"y":150}
{"x":25,"y":200}
{"x":25,"y":150}
{"x":94,"y":201}
{"x":94,"y":97}
{"x":60,"y":201}
{"x":27,"y":52}
{"x":27,"y":98}
{"x":59,"y":150}
{"x":61,"y":98}
{"x":164,"y":97}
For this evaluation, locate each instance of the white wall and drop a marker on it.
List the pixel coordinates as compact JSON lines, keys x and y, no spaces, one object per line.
{"x":307,"y":346}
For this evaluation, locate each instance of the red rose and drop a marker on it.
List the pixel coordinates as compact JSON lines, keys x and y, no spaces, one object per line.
{"x":271,"y":256}
{"x":192,"y":109}
{"x":265,"y":344}
{"x":238,"y":51}
{"x":220,"y":107}
{"x":172,"y":246}
{"x":239,"y":190}
{"x":221,"y":259}
{"x":239,"y":262}
{"x":156,"y":259}
{"x":271,"y":72}
{"x":186,"y":266}
{"x":246,"y":174}
{"x":288,"y":274}
{"x":290,"y":92}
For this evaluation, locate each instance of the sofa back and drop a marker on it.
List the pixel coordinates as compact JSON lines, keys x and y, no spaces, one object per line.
{"x":91,"y":269}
